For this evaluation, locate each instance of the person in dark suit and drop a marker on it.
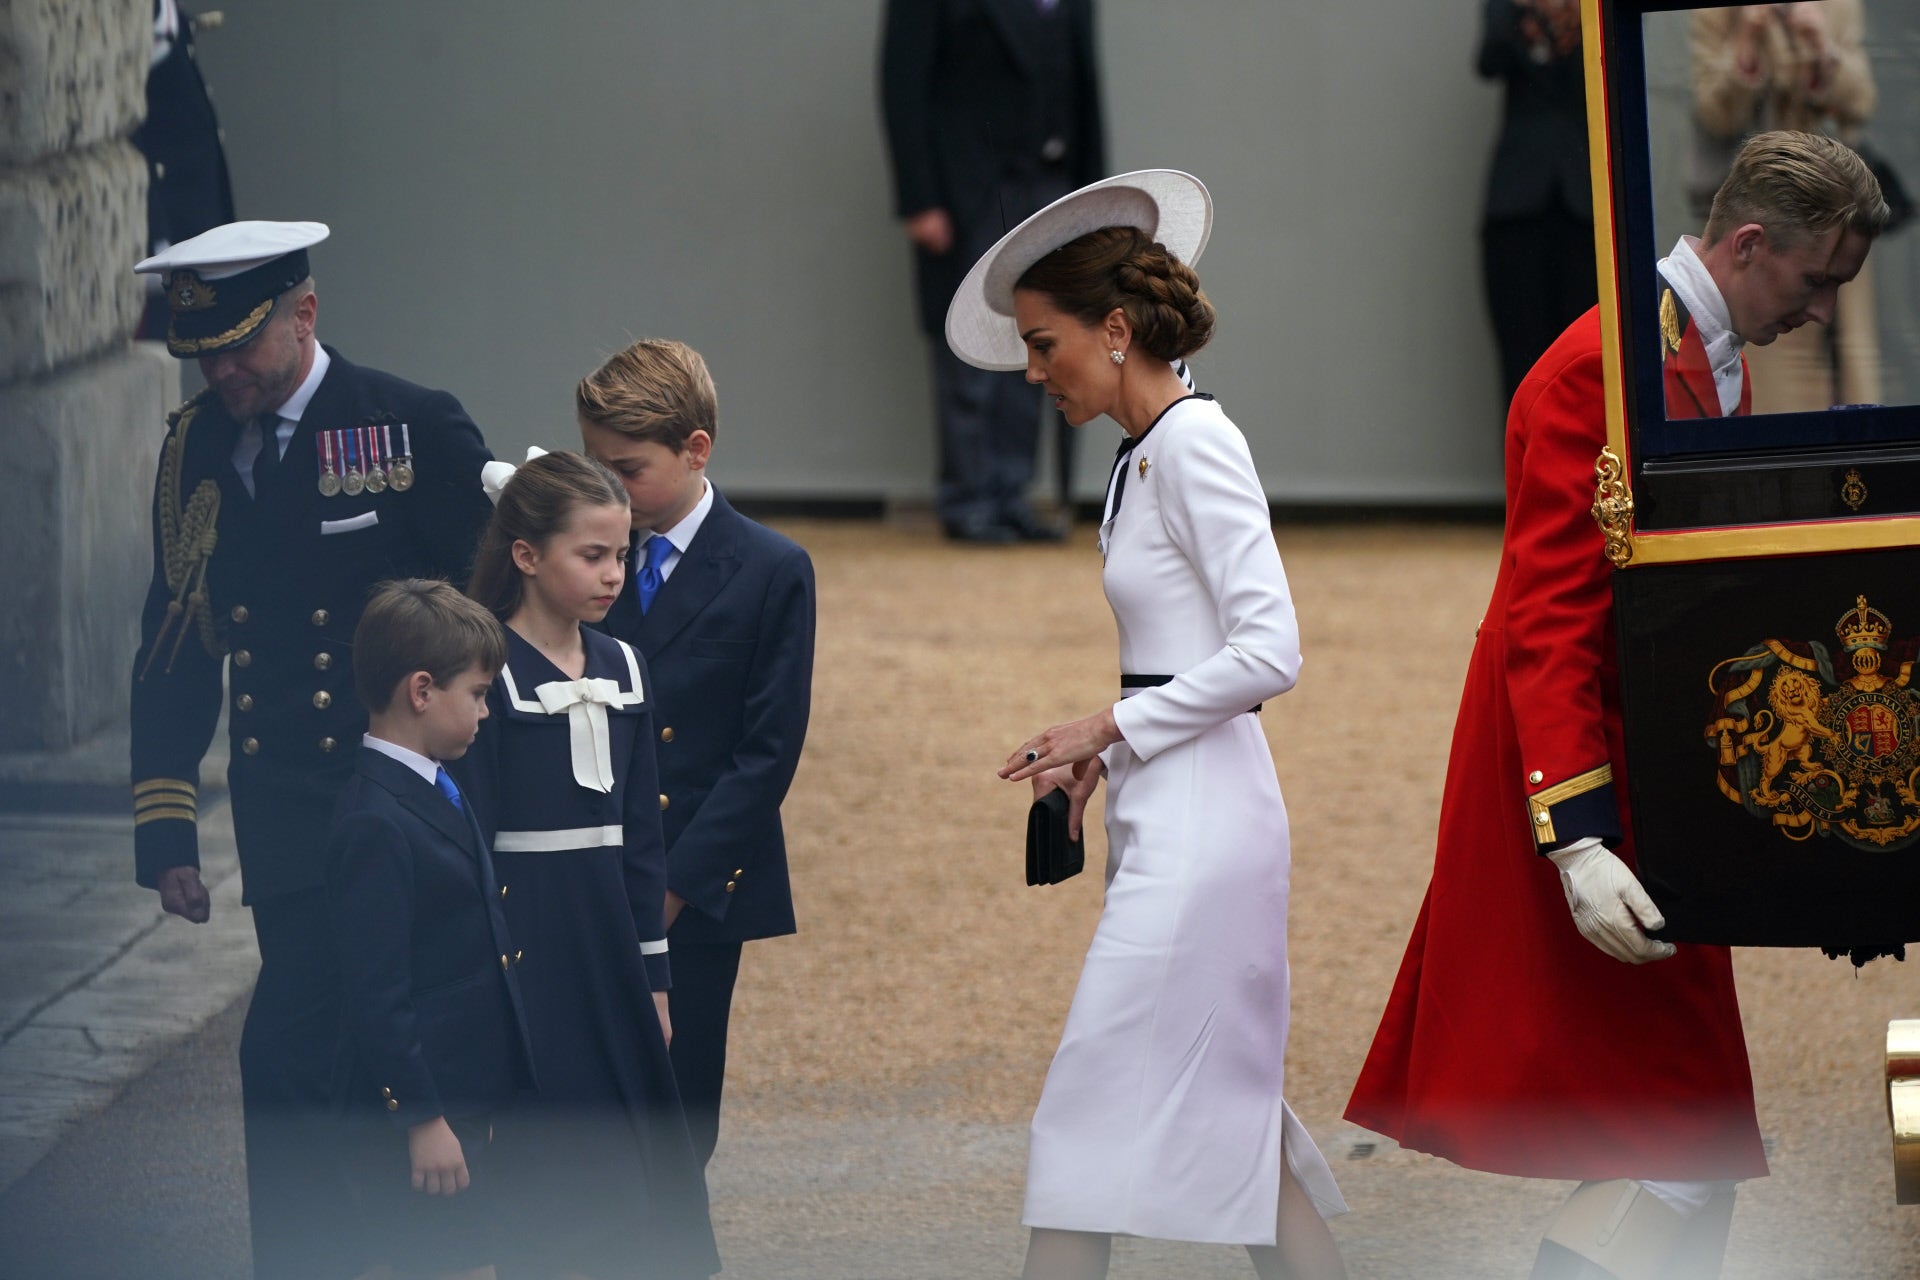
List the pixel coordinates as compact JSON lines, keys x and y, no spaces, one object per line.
{"x":992,"y":111}
{"x":437,"y":1039}
{"x":722,"y":610}
{"x":1537,"y":233}
{"x":286,"y":488}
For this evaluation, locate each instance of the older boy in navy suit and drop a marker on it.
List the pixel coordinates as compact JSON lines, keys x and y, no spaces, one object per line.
{"x":722,"y":608}
{"x":436,"y":1040}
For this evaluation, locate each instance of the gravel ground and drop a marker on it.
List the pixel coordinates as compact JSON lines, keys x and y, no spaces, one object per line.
{"x":885,"y":1060}
{"x":902,"y":1036}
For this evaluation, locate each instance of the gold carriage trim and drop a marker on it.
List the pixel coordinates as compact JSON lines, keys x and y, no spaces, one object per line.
{"x":1540,"y":803}
{"x":248,"y":323}
{"x":1612,"y":506}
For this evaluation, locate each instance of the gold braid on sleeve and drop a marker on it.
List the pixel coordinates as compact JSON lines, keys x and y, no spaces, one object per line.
{"x":187,"y":536}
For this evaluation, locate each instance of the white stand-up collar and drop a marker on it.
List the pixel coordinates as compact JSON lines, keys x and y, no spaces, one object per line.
{"x":1694,"y":283}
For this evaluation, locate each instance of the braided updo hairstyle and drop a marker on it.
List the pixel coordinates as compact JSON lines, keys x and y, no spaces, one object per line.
{"x":1124,"y":267}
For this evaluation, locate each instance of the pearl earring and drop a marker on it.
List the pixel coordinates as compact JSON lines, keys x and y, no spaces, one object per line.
{"x":1118,"y":357}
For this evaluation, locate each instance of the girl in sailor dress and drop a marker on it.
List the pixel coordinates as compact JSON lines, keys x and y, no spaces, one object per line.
{"x":596,"y":1164}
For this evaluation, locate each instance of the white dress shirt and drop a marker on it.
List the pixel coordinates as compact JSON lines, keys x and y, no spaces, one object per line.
{"x":428,"y":769}
{"x":681,"y":535}
{"x":248,"y":446}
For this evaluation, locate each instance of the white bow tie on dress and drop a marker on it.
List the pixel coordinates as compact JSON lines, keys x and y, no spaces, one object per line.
{"x":586,"y":703}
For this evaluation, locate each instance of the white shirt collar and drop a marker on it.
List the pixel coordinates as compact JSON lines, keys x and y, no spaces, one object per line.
{"x":1695,"y":284}
{"x":681,"y":535}
{"x":428,"y":769}
{"x":297,"y":402}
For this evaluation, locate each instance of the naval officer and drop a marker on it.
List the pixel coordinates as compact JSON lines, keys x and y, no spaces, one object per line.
{"x":286,"y":489}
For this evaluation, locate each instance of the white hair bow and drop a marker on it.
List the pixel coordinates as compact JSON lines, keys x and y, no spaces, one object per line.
{"x":494,"y":476}
{"x":586,"y":703}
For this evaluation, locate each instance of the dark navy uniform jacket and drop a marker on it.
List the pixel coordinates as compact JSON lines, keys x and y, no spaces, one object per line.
{"x":434,"y":1021}
{"x":275,"y":585}
{"x":729,"y":645}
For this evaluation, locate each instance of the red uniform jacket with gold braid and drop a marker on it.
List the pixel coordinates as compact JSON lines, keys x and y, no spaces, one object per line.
{"x":1684,"y":371}
{"x":1510,"y":1043}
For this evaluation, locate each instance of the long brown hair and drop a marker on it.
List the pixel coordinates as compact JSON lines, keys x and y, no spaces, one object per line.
{"x":535,"y":504}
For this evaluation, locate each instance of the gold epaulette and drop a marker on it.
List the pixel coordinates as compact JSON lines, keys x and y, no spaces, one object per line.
{"x":188,"y":533}
{"x":159,"y":798}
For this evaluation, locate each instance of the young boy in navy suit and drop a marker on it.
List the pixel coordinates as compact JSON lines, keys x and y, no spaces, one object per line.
{"x":435,"y":1038}
{"x":722,"y":608}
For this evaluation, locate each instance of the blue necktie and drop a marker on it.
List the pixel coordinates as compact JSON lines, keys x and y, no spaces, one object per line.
{"x":650,"y":579}
{"x":444,"y":781}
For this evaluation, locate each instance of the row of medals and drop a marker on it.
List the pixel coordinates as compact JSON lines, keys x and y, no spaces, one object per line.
{"x":367,"y":460}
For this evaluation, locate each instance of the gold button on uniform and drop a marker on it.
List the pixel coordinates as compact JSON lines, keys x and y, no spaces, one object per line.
{"x":503,"y":891}
{"x":238,"y":613}
{"x":321,"y":617}
{"x":1536,"y":777}
{"x":328,"y":744}
{"x":1541,"y":819}
{"x":729,"y":886}
{"x":244,"y":702}
{"x":322,"y":699}
{"x":250,"y":746}
{"x":393,"y":1104}
{"x":322,"y":661}
{"x":504,"y":962}
{"x":517,"y":955}
{"x":666,"y":734}
{"x":241,"y":658}
{"x":663,"y":801}
{"x":386,"y":1093}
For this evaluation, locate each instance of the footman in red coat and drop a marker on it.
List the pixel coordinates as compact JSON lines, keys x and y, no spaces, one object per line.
{"x":1535,"y":1028}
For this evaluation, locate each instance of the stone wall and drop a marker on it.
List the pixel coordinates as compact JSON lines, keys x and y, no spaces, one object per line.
{"x":81,"y":406}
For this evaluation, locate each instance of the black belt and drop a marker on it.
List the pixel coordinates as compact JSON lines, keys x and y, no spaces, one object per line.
{"x":1130,"y":681}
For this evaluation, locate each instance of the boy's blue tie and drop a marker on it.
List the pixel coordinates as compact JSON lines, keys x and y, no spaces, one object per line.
{"x":444,"y":781}
{"x":649,"y":581}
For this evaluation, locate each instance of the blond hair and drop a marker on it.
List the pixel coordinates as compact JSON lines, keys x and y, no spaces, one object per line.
{"x":1798,"y":186}
{"x":657,"y":390}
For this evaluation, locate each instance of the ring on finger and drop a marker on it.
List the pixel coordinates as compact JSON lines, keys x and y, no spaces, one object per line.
{"x":1032,"y":756}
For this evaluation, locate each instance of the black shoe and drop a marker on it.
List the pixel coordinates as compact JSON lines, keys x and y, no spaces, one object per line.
{"x":1031,"y":528}
{"x":981,"y":532}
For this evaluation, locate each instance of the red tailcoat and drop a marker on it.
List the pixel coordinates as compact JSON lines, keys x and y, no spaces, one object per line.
{"x":1510,"y":1043}
{"x":1685,"y":375}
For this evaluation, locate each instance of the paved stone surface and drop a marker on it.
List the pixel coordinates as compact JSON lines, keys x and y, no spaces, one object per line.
{"x":95,"y":980}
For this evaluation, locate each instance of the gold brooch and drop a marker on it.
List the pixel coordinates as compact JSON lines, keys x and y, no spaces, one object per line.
{"x":1143,"y":468}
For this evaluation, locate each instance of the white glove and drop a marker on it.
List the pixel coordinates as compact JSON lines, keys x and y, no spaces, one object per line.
{"x":1609,"y":906}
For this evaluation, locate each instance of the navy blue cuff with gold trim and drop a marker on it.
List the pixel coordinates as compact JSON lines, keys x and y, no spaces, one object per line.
{"x":1581,"y":806}
{"x":165,"y":830}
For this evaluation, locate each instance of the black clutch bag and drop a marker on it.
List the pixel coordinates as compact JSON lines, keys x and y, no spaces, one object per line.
{"x":1051,"y":857}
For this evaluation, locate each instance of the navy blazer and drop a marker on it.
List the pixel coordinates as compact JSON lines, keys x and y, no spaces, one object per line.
{"x":729,"y":646}
{"x":432,"y":1008}
{"x":285,"y":579}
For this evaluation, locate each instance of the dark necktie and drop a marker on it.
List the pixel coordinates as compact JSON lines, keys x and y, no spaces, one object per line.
{"x":267,"y":461}
{"x":650,"y":579}
{"x":444,"y":781}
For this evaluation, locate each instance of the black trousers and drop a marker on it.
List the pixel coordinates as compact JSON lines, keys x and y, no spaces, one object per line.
{"x":297,"y":1199}
{"x":699,"y":1004}
{"x":1540,"y":279}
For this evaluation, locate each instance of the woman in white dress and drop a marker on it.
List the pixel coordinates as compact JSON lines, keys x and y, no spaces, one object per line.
{"x":1163,"y":1113}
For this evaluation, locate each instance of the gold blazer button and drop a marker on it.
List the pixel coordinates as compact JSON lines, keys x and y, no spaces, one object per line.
{"x":328,"y":744}
{"x":322,"y":699}
{"x":1536,"y":777}
{"x":243,"y":703}
{"x":242,"y":658}
{"x":250,"y":746}
{"x":322,"y":661}
{"x":238,"y":613}
{"x":664,"y":802}
{"x":666,"y":734}
{"x":321,"y":617}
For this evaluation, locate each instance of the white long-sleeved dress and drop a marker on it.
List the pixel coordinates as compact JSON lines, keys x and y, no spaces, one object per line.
{"x":1162,"y":1114}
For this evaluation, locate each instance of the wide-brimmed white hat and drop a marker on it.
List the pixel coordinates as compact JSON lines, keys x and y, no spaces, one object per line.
{"x":1172,"y":207}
